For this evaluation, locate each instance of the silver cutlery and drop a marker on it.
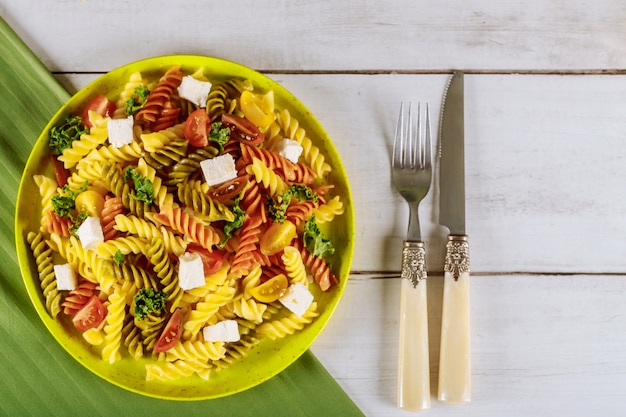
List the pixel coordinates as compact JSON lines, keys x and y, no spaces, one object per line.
{"x":455,"y":357}
{"x":411,"y":174}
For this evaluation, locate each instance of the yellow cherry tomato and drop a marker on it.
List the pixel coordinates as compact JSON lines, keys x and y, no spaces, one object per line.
{"x":277,"y":237}
{"x":90,"y":201}
{"x":258,"y":108}
{"x":271,"y":290}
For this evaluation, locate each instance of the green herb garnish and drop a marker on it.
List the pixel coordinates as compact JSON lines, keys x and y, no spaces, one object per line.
{"x":137,"y":100}
{"x":278,"y":205}
{"x":314,"y":241}
{"x":77,"y":222}
{"x":149,"y":301}
{"x":144,"y":190}
{"x":230,"y":227}
{"x":61,"y":137}
{"x":64,"y":202}
{"x":118,"y":258}
{"x":219,"y":135}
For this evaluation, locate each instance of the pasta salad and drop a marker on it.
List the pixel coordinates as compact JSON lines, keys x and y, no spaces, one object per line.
{"x":182,"y":222}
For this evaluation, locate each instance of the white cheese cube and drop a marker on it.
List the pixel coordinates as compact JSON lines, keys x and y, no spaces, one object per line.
{"x":297,"y":298}
{"x":66,"y":277}
{"x":90,"y":232}
{"x":190,"y":271}
{"x":223,"y":331}
{"x":195,"y":91}
{"x":219,"y":169}
{"x":290,"y":149}
{"x":120,"y":131}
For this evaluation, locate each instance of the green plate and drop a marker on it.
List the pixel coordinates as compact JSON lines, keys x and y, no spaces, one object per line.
{"x":269,"y":357}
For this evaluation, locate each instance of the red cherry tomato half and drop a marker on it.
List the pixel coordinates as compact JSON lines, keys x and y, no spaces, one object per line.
{"x":212,"y":261}
{"x":171,"y":333}
{"x":243,"y":129}
{"x":101,"y":105}
{"x":60,"y":172}
{"x":91,"y":315}
{"x":229,"y":190}
{"x":196,"y":127}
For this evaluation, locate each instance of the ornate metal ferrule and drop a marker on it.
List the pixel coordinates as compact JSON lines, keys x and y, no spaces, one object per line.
{"x":414,"y":262}
{"x":457,"y":256}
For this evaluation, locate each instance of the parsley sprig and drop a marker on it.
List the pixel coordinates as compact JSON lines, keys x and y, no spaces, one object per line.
{"x":62,"y":136}
{"x":278,"y":205}
{"x":64,"y":202}
{"x":118,"y":258}
{"x":64,"y":205}
{"x":230,"y":227}
{"x":219,"y":135}
{"x":144,"y":189}
{"x":149,"y":301}
{"x":318,"y":244}
{"x":137,"y":100}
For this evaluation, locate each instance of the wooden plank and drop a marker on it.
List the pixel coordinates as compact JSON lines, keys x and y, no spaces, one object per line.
{"x":328,"y":35}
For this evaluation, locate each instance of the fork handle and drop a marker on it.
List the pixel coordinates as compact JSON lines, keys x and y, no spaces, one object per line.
{"x":455,"y":358}
{"x":413,"y":362}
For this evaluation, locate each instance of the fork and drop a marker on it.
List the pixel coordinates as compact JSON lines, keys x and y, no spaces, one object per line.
{"x":411,"y":173}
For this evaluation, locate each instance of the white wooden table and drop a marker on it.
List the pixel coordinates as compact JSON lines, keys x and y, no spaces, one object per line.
{"x":545,"y":128}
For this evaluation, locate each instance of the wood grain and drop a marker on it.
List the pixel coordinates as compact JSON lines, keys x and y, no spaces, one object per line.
{"x":328,"y":35}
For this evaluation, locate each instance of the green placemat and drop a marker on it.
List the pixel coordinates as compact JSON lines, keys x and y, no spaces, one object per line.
{"x":37,"y":377}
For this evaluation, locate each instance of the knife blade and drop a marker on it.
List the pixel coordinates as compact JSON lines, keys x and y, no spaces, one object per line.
{"x":454,"y":359}
{"x":452,"y":158}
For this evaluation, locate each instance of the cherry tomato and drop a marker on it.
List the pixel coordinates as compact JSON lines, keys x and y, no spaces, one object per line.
{"x":91,"y":315}
{"x":171,"y":333}
{"x":243,"y":129}
{"x":258,"y":108}
{"x":90,"y":201}
{"x":60,"y":172}
{"x":196,"y":127}
{"x":229,"y":190}
{"x":101,"y":105}
{"x":212,"y":261}
{"x":271,"y":290}
{"x":277,"y":237}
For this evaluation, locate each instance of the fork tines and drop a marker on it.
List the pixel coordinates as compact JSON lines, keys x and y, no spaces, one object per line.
{"x":408,"y":151}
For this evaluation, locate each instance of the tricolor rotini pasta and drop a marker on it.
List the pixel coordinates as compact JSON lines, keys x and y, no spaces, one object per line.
{"x":160,"y":212}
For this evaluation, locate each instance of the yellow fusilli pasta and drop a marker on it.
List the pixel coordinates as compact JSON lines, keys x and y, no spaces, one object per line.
{"x":113,"y":326}
{"x":97,"y":135}
{"x":263,"y":175}
{"x":292,"y":130}
{"x":288,"y":325}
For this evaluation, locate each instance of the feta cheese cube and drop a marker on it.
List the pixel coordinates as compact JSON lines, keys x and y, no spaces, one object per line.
{"x":290,"y":149}
{"x":223,"y":331}
{"x":66,"y":277}
{"x":90,"y":232}
{"x":297,"y":298}
{"x":120,"y":131}
{"x":195,"y":91}
{"x":219,"y":169}
{"x":190,"y":271}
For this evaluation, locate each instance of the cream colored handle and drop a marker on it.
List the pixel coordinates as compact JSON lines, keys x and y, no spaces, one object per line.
{"x":455,"y":355}
{"x":413,"y":360}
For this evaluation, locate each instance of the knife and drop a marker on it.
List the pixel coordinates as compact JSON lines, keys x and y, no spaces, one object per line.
{"x":454,"y":358}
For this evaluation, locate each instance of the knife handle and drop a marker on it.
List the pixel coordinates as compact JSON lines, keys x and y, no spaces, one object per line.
{"x":455,"y":355}
{"x":413,"y":361}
